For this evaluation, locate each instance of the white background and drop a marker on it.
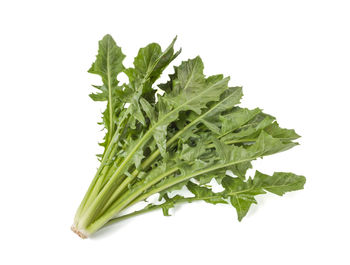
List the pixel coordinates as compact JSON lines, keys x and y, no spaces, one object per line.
{"x":293,"y":60}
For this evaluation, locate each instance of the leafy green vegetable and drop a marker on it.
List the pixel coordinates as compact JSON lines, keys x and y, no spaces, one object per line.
{"x":186,"y":136}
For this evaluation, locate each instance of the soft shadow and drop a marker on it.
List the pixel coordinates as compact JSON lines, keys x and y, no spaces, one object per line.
{"x":261,"y":200}
{"x":109,"y":230}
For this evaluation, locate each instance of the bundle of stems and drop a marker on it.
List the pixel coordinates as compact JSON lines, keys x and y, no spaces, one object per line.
{"x":186,"y":133}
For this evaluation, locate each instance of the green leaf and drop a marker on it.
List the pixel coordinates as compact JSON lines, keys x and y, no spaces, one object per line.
{"x":148,"y":66}
{"x":109,"y":61}
{"x":241,"y":169}
{"x":204,"y":193}
{"x":228,"y":99}
{"x":170,"y":203}
{"x":267,"y":145}
{"x":241,"y":194}
{"x":102,"y":96}
{"x":249,"y":130}
{"x":151,"y":61}
{"x":226,"y":157}
{"x":277,"y":132}
{"x":279,"y":183}
{"x":108,"y":64}
{"x":148,"y":109}
{"x":237,"y":118}
{"x":189,"y":153}
{"x":191,"y":92}
{"x":146,"y":59}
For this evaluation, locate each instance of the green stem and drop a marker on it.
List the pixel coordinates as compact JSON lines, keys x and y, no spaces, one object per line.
{"x":87,"y":198}
{"x":120,"y":205}
{"x":150,"y":208}
{"x":188,"y":176}
{"x":127,"y":216}
{"x":128,"y":197}
{"x":111,"y":170}
{"x":234,"y":142}
{"x":110,"y":101}
{"x":107,"y":155}
{"x":155,"y":207}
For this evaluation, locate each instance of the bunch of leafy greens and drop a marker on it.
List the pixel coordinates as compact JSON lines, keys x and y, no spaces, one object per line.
{"x":187,"y":135}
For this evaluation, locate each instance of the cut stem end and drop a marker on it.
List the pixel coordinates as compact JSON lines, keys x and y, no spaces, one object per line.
{"x":80,"y":233}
